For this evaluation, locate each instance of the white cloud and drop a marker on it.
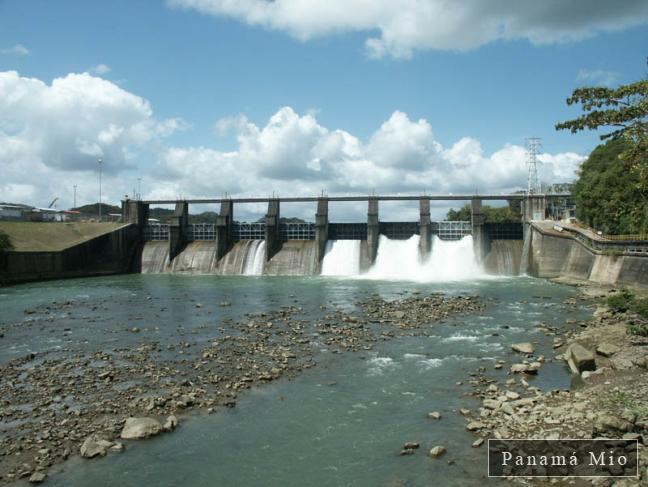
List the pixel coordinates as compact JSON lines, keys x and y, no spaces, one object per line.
{"x":597,"y":77}
{"x":294,"y":155}
{"x":52,"y":135}
{"x":18,"y":50}
{"x":100,"y":69}
{"x":404,"y":26}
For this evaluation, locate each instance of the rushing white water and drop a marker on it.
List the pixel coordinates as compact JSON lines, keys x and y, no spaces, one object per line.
{"x":449,"y":261}
{"x":255,"y":258}
{"x":341,"y":258}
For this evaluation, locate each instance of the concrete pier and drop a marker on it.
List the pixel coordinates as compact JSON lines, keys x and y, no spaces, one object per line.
{"x":224,"y":229}
{"x":425,"y":229}
{"x":479,"y":236}
{"x":272,"y":230}
{"x":321,"y":231}
{"x":178,"y":229}
{"x":373,"y":229}
{"x":134,"y":211}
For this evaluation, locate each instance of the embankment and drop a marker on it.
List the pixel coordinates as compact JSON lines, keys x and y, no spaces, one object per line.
{"x":554,"y":254}
{"x":44,"y":251}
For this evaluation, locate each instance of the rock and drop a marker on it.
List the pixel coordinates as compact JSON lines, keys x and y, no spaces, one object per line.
{"x":464,"y":412}
{"x":526,"y":368}
{"x":492,"y":404}
{"x":37,"y":478}
{"x":512,"y":395}
{"x":170,"y":423}
{"x":607,"y":349}
{"x":94,"y":446}
{"x":434,"y":415}
{"x":137,"y":428}
{"x":580,"y":359}
{"x":606,"y":422}
{"x":525,"y":347}
{"x":117,"y":447}
{"x":437,"y":451}
{"x":478,"y":442}
{"x":399,"y":315}
{"x":474,"y":425}
{"x":410,"y":445}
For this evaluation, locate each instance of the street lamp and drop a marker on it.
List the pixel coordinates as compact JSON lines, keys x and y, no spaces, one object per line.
{"x":139,"y":188}
{"x":75,"y":187}
{"x":100,"y":163}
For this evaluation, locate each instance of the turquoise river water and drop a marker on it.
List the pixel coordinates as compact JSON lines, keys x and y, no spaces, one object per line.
{"x":341,"y":423}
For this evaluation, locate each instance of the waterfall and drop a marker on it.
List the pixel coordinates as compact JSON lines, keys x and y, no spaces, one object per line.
{"x":526,"y":248}
{"x":449,"y":261}
{"x":341,"y":258}
{"x":255,"y":258}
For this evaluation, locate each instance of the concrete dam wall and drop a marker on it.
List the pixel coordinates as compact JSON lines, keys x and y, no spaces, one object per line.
{"x":554,"y":254}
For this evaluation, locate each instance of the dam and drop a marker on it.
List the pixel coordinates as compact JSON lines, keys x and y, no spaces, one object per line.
{"x":387,"y":249}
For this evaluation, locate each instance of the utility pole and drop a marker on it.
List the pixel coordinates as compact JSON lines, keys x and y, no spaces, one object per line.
{"x":100,"y":163}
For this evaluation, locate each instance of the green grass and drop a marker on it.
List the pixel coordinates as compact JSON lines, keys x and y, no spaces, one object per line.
{"x":626,"y":302}
{"x":52,"y":236}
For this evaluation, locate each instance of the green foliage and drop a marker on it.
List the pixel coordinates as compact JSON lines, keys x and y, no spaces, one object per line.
{"x":607,"y":195}
{"x":5,"y":242}
{"x":621,"y":301}
{"x":625,"y":111}
{"x":493,"y":215}
{"x":625,"y":301}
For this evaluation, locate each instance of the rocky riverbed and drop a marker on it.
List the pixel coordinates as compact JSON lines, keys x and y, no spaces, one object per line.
{"x":608,"y":397}
{"x":91,"y":403}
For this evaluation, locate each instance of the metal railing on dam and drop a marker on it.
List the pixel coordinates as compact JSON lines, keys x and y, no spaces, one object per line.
{"x":598,"y":244}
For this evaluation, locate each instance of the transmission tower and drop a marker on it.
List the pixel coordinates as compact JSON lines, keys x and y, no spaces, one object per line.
{"x":533,"y":148}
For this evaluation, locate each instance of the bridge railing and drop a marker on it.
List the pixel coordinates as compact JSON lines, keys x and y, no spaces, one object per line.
{"x":156,"y":231}
{"x":248,"y":231}
{"x":453,"y":230}
{"x":202,"y":231}
{"x":297,"y":231}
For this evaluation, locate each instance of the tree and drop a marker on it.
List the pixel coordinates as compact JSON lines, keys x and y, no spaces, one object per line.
{"x":493,"y":215}
{"x":5,"y":243}
{"x":607,"y":195}
{"x":623,"y":109}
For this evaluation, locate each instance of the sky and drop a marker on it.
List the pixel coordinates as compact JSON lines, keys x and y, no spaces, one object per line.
{"x":203,"y":98}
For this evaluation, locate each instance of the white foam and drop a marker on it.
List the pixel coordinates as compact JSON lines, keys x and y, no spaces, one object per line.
{"x":341,"y":258}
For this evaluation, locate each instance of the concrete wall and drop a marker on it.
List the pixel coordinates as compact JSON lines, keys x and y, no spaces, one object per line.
{"x":554,"y":255}
{"x":111,"y":253}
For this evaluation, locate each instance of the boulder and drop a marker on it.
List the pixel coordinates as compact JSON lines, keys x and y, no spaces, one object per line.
{"x":607,"y":349}
{"x":525,"y":347}
{"x":608,"y":423}
{"x":138,"y":428}
{"x":37,"y":478}
{"x":437,"y":451}
{"x":434,"y":415}
{"x":410,"y":445}
{"x":94,"y":446}
{"x":492,"y":404}
{"x":478,"y":442}
{"x":170,"y":423}
{"x":580,"y":359}
{"x":474,"y":425}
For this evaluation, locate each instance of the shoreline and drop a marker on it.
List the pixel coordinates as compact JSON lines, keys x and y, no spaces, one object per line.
{"x":608,"y":401}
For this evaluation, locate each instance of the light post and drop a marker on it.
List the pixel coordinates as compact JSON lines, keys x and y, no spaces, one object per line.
{"x":75,"y":186}
{"x":139,"y":188}
{"x":100,"y":163}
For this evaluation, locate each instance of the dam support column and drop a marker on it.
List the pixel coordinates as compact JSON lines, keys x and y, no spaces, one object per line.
{"x":533,"y":208}
{"x":272,"y":229}
{"x":425,"y":229}
{"x":321,"y":232}
{"x":478,"y":234}
{"x":178,"y":229}
{"x":134,"y":211}
{"x":224,"y":222}
{"x":373,"y":230}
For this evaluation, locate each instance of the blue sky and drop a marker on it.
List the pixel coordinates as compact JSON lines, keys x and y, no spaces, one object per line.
{"x":194,"y":62}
